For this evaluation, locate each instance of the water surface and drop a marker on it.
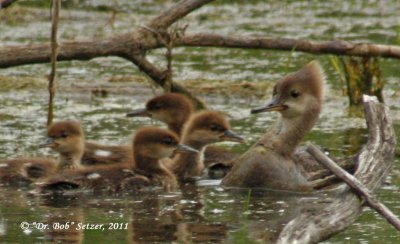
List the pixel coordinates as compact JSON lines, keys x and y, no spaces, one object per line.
{"x":196,"y":213}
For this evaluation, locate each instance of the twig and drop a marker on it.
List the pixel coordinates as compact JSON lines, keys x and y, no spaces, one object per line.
{"x":176,"y":12}
{"x":355,"y":184}
{"x":56,"y":5}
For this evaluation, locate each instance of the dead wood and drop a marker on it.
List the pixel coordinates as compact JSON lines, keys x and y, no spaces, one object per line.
{"x":286,"y":44}
{"x":373,"y":162}
{"x":134,"y":45}
{"x":356,"y":185}
{"x":131,"y":46}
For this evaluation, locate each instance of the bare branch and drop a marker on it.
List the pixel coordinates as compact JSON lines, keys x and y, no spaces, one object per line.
{"x":286,"y":44}
{"x":355,"y":184}
{"x":176,"y":12}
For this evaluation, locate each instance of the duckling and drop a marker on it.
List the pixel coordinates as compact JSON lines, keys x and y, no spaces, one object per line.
{"x":68,"y":139}
{"x":175,"y":110}
{"x":65,"y":137}
{"x":171,"y":108}
{"x":202,"y":129}
{"x":149,"y":146}
{"x":269,"y":162}
{"x":24,"y":171}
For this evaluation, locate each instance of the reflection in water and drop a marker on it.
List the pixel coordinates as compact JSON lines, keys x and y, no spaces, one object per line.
{"x":65,"y":226}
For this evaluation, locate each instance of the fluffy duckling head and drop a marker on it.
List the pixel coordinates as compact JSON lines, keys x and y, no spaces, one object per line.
{"x":157,"y":143}
{"x":65,"y":137}
{"x":298,"y":93}
{"x":209,"y":127}
{"x":170,"y":108}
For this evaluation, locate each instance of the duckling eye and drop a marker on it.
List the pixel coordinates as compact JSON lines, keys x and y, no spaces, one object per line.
{"x":64,"y":135}
{"x":294,"y":93}
{"x":155,"y":106}
{"x":168,"y":141}
{"x":215,"y":128}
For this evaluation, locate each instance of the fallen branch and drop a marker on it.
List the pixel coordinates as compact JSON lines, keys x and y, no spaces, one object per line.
{"x":286,"y":44}
{"x":355,"y":184}
{"x":373,"y":165}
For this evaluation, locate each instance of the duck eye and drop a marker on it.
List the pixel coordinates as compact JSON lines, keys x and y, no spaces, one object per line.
{"x":214,"y":128}
{"x":154,"y":106}
{"x":294,"y":93}
{"x":168,"y":141}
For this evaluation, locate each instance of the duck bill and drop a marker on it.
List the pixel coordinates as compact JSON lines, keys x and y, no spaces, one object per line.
{"x":185,"y":149}
{"x":48,"y":143}
{"x":273,"y":105}
{"x":231,"y":136}
{"x":138,"y":113}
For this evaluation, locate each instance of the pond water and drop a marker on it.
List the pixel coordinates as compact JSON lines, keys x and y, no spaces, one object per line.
{"x":205,"y":213}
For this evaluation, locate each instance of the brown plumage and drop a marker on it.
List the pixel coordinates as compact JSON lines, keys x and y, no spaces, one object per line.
{"x":149,"y":146}
{"x":202,"y":129}
{"x":171,"y":108}
{"x":65,"y":137}
{"x":93,"y":154}
{"x":68,"y":139}
{"x":96,"y":154}
{"x":174,"y":110}
{"x":24,"y":171}
{"x":269,"y":162}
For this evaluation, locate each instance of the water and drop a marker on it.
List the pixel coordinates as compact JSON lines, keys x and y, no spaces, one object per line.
{"x":204,"y":213}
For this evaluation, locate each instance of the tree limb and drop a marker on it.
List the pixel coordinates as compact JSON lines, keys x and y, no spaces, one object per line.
{"x":287,"y":44}
{"x":356,"y":185}
{"x":176,"y":12}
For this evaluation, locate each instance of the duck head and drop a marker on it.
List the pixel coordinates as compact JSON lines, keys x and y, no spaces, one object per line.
{"x":298,"y":93}
{"x":171,"y":108}
{"x":208,"y":127}
{"x":157,"y":143}
{"x":65,"y":137}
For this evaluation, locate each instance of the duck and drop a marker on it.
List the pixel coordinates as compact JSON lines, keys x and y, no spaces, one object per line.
{"x":149,"y":146}
{"x":171,"y":108}
{"x":269,"y":163}
{"x":175,"y":110}
{"x":25,"y":170}
{"x":65,"y":137}
{"x":202,"y":129}
{"x":68,"y":140}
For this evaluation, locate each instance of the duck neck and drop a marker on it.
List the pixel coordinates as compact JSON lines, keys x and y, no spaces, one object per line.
{"x":147,"y":164}
{"x":70,"y":160}
{"x":287,"y":133}
{"x":177,"y":124}
{"x":176,"y":127}
{"x":188,"y":165}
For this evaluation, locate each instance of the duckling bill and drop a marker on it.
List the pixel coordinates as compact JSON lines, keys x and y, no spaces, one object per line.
{"x":269,"y":162}
{"x":66,"y":138}
{"x":175,"y":110}
{"x":202,"y":129}
{"x":150,"y":145}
